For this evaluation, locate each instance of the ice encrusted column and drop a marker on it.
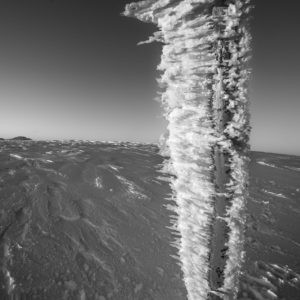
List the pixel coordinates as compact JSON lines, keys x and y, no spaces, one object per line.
{"x":204,"y":77}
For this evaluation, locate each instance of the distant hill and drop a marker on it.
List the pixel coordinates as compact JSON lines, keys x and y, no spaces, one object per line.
{"x":21,"y":138}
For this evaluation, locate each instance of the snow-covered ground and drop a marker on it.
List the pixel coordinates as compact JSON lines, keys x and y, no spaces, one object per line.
{"x":93,"y":224}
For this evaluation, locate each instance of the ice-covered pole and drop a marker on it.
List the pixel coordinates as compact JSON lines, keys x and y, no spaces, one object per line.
{"x":205,"y":72}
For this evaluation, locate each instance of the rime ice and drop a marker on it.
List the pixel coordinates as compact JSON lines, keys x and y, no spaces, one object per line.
{"x":204,"y":76}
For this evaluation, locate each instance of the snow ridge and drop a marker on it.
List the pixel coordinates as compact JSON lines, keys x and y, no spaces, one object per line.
{"x":204,"y":80}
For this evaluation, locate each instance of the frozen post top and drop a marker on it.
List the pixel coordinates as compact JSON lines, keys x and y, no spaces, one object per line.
{"x":205,"y":72}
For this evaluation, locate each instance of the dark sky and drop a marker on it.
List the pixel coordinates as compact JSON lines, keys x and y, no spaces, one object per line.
{"x":71,"y":69}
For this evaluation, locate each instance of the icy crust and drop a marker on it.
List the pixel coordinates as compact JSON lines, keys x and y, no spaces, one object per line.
{"x":236,"y":133}
{"x":190,"y":138}
{"x":193,"y":190}
{"x":236,"y":219}
{"x":193,"y":82}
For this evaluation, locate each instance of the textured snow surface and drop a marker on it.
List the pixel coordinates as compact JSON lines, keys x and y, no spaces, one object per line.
{"x":266,"y":164}
{"x":274,"y":194}
{"x":198,"y":82}
{"x":63,"y":237}
{"x":91,"y":223}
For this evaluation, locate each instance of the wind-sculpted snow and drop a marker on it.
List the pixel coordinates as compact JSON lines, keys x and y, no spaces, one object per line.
{"x":204,"y":66}
{"x":266,"y":164}
{"x":90,"y":224}
{"x":272,"y":265}
{"x":62,"y":236}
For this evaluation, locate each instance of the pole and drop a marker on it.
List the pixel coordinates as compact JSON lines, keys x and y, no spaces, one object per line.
{"x":204,"y":75}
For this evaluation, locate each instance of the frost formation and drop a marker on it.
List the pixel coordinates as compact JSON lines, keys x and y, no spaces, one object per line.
{"x":204,"y":65}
